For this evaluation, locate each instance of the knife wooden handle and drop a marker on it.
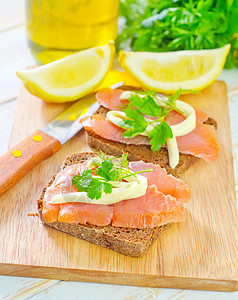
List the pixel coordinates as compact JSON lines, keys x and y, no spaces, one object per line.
{"x":25,"y":156}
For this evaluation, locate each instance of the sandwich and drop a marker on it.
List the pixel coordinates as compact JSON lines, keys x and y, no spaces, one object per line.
{"x":153,"y":128}
{"x":112,"y":202}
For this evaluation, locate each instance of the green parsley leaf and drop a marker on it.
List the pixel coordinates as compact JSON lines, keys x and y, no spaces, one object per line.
{"x":105,"y":171}
{"x":174,"y":97}
{"x":124,"y":162}
{"x":136,"y":123}
{"x":82,"y":182}
{"x":107,"y":187}
{"x":159,"y":134}
{"x":95,"y":188}
{"x":146,"y":105}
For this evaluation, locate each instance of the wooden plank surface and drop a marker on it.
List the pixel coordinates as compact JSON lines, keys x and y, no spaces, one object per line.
{"x":6,"y":117}
{"x":205,"y":255}
{"x":12,"y":287}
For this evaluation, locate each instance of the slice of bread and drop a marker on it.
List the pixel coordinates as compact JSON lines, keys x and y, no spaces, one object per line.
{"x":128,"y":241}
{"x":142,"y":152}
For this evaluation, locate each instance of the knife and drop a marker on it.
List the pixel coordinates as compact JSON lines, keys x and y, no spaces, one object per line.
{"x":43,"y":143}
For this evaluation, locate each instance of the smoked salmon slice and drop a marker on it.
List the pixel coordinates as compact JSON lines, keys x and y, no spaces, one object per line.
{"x":61,"y":184}
{"x":160,"y":205}
{"x":83,"y":213}
{"x":166,"y":184}
{"x":104,"y":128}
{"x":201,"y":142}
{"x":151,"y":210}
{"x":110,"y":99}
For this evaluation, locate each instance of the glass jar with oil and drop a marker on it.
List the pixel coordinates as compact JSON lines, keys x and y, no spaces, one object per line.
{"x":57,"y":28}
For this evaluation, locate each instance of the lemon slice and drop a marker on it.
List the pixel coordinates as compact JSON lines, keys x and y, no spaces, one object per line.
{"x":72,"y":77}
{"x":169,"y":71}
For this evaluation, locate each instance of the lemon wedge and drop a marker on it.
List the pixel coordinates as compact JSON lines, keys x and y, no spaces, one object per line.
{"x":72,"y":77}
{"x":168,"y":71}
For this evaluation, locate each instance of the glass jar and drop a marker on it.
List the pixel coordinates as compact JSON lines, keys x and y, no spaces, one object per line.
{"x":56,"y":28}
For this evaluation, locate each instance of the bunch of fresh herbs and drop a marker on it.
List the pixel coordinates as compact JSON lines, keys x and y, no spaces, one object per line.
{"x":170,"y":25}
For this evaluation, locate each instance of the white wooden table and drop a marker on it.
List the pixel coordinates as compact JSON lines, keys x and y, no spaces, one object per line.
{"x":15,"y":54}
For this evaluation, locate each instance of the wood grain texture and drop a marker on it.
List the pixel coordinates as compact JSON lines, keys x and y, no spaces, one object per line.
{"x":32,"y":152}
{"x":6,"y":117}
{"x":199,"y":254}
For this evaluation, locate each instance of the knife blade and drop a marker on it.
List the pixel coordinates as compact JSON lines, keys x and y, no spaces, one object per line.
{"x":41,"y":144}
{"x":67,"y":124}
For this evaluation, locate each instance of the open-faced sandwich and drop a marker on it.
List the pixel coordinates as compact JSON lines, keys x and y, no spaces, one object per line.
{"x":153,"y":128}
{"x":111,"y":202}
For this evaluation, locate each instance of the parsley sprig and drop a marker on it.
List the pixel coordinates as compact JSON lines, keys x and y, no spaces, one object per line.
{"x":171,"y":25}
{"x":141,"y":104}
{"x":107,"y":169}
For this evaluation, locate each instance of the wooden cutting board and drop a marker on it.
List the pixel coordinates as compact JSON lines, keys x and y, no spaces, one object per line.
{"x":198,"y":254}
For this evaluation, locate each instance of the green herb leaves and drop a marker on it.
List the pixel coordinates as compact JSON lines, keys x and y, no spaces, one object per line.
{"x":142,"y":104}
{"x":96,"y":187}
{"x":147,"y":104}
{"x":93,"y":186}
{"x":105,"y":170}
{"x":159,"y":134}
{"x":168,"y":25}
{"x":136,"y":123}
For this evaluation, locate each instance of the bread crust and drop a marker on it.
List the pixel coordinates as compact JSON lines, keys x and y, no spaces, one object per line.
{"x":128,"y":241}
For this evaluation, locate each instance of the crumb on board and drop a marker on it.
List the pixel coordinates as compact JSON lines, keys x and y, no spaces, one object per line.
{"x":33,"y":215}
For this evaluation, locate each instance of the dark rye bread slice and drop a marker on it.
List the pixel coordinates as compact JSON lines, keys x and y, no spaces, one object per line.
{"x":142,"y":152}
{"x":128,"y":241}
